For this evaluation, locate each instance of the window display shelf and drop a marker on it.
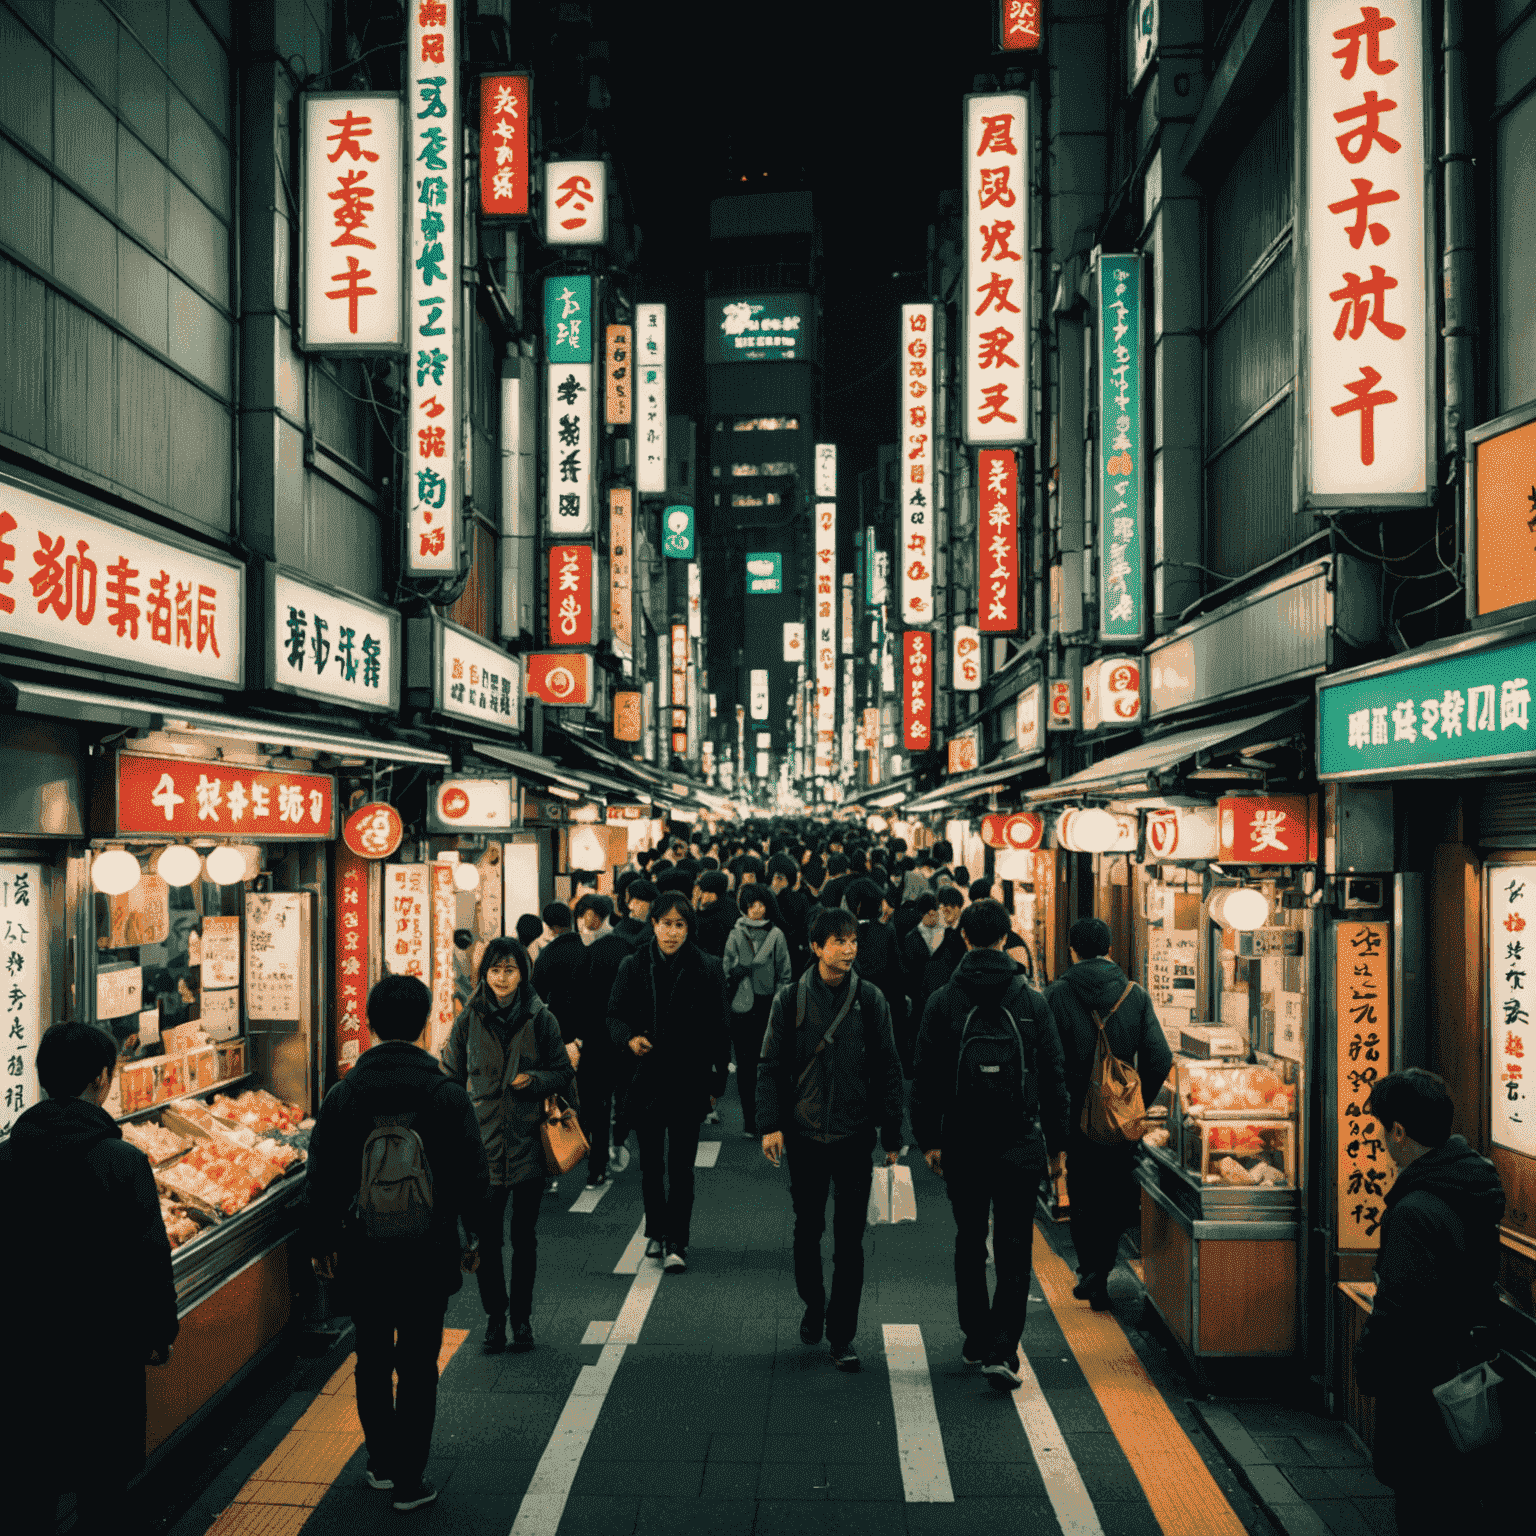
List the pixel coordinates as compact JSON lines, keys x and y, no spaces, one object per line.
{"x":245,"y":1079}
{"x":201,"y":1266}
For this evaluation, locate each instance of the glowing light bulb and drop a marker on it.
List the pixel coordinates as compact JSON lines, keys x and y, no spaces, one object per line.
{"x":179,"y":865}
{"x":115,"y":872}
{"x":225,"y":865}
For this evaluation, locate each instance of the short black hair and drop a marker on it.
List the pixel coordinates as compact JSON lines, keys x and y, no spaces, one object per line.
{"x":960,"y":875}
{"x":924,"y":902}
{"x":528,"y":928}
{"x":640,"y":890}
{"x":943,"y":851}
{"x":670,"y":902}
{"x":1416,"y":1100}
{"x":782,"y":864}
{"x":592,"y":902}
{"x":837,"y":863}
{"x":709,"y":862}
{"x":463,"y":938}
{"x":399,"y":1007}
{"x":761,"y":891}
{"x":70,"y":1057}
{"x":833,"y":923}
{"x":1089,"y":938}
{"x":557,"y":915}
{"x":715,"y":881}
{"x":980,"y":890}
{"x":862,"y":898}
{"x":925,"y":859}
{"x":950,"y":896}
{"x":984,"y":922}
{"x":752,"y":865}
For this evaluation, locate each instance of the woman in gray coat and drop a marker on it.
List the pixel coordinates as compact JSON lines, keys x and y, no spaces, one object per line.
{"x":505,"y":1049}
{"x":756,"y":966}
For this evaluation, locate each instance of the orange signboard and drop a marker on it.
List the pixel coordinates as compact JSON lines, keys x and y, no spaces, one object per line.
{"x":1504,"y":470}
{"x":1363,"y":1028}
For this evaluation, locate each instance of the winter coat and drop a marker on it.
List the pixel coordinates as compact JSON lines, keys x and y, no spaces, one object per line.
{"x":558,"y":977}
{"x":1133,"y":1030}
{"x":986,"y":1126}
{"x":715,"y":923}
{"x":942,"y":962}
{"x":879,"y":961}
{"x":488,"y":1047}
{"x":793,"y":906}
{"x":760,"y":952}
{"x":605,"y":954}
{"x":679,"y":1005}
{"x":395,"y":1077}
{"x":1436,"y":1279}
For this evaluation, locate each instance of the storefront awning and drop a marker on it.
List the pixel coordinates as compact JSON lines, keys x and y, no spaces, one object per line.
{"x":542,"y":770}
{"x":1153,"y":765}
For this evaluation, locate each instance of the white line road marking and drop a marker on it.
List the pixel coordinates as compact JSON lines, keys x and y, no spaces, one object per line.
{"x":597,"y":1333}
{"x":629,"y":1260}
{"x":709,"y":1151}
{"x":586,"y":1201}
{"x":924,"y":1472}
{"x":1063,"y":1484}
{"x":642,"y":1292}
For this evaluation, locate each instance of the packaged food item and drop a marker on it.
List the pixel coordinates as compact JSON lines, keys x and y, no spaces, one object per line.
{"x":155,"y":1142}
{"x":172,"y":1078}
{"x":259,"y":1110}
{"x":279,"y":1152}
{"x":231,"y":1059}
{"x":1230,"y":1171}
{"x":193,"y":1187}
{"x":1156,"y":1137}
{"x":138,"y":1080}
{"x":194,"y":1116}
{"x":180,"y":1226}
{"x":202,"y":1068}
{"x":180,"y":1038}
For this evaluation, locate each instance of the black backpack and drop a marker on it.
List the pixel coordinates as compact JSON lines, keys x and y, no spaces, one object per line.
{"x":990,"y":1050}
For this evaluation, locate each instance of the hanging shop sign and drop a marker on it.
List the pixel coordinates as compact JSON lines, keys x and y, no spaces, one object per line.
{"x":444,"y":921}
{"x":1062,"y":716}
{"x":1123,"y":840}
{"x":506,"y":118}
{"x":679,"y":653}
{"x":1089,"y":719}
{"x":1118,"y":690}
{"x":917,"y":690}
{"x":794,"y":643}
{"x":997,"y":475}
{"x":373,"y":831}
{"x":871,"y":730}
{"x":352,"y":279}
{"x":433,"y":427}
{"x":759,"y":693}
{"x":996,"y":316}
{"x":651,"y":334}
{"x":561,"y":678}
{"x":1368,"y":422}
{"x":163,"y":796}
{"x":618,"y":376}
{"x":651,"y":423}
{"x":576,"y":202}
{"x":570,"y":594}
{"x":765,"y":573}
{"x":992,"y":830}
{"x":626,"y":715}
{"x":1143,"y":44}
{"x":354,"y":940}
{"x":406,"y":920}
{"x":1178,"y":833}
{"x":760,"y":328}
{"x":848,"y":713}
{"x":568,"y":322}
{"x":963,"y":752}
{"x":966,"y":669}
{"x":677,"y":527}
{"x":621,"y":572}
{"x":914,"y":432}
{"x":471,"y":805}
{"x":825,"y":475}
{"x":1500,"y":482}
{"x":473,"y":680}
{"x":695,"y":600}
{"x":569,"y":449}
{"x":847,"y":629}
{"x":826,"y":635}
{"x":1026,"y":719}
{"x":1019,"y":25}
{"x":1270,"y":829}
{"x":1023,"y":832}
{"x":1122,"y":458}
{"x":79,"y":586}
{"x":21,"y":942}
{"x":1362,"y":1003}
{"x":330,"y":645}
{"x":1511,"y":932}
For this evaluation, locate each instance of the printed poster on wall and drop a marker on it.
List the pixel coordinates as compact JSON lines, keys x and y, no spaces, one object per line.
{"x":1363,"y":1026}
{"x":221,"y":952}
{"x":21,"y":941}
{"x":406,"y":928}
{"x":274,"y":931}
{"x":1512,"y":1039}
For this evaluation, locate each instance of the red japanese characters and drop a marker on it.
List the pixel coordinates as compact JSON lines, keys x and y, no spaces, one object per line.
{"x":915,"y":464}
{"x":998,"y":534}
{"x":504,"y":125}
{"x":570,"y":594}
{"x":917,"y":690}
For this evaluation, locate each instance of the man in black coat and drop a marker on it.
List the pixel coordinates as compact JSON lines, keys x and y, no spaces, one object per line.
{"x":821,"y":1107}
{"x":1436,"y":1301}
{"x":717,"y":909}
{"x":951,"y":951}
{"x":559,"y":971}
{"x":602,"y":1071}
{"x":397,"y":1292}
{"x":635,"y":925}
{"x":989,"y":1102}
{"x":87,"y":1286}
{"x":794,"y":904}
{"x":879,"y":961}
{"x":1100,"y":1179}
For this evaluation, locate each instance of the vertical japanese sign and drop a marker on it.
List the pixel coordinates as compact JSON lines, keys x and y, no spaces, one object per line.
{"x":915,"y":530}
{"x":432,"y":214}
{"x":997,"y":564}
{"x":757,"y":693}
{"x":1512,"y":1040}
{"x":618,"y":376}
{"x":651,"y":373}
{"x":575,"y":202}
{"x":826,"y":470}
{"x":794,"y":643}
{"x":847,"y":635}
{"x":353,"y":284}
{"x":1366,"y":407}
{"x":353,"y":958}
{"x":505,"y":121}
{"x":570,"y":594}
{"x":444,"y":911}
{"x":405,"y":920}
{"x":848,"y":714}
{"x":568,"y":319}
{"x":21,"y":945}
{"x":917,"y":689}
{"x":621,"y":571}
{"x":967,"y":658}
{"x":677,"y":533}
{"x":996,"y":311}
{"x":1121,"y":459}
{"x":1020,"y":25}
{"x":695,"y":600}
{"x":825,"y":598}
{"x":1363,"y":1027}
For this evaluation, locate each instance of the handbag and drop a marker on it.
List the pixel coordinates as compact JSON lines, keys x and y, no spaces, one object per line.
{"x":564,"y":1144}
{"x":879,"y":1210}
{"x":1469,"y":1404}
{"x":903,"y":1195}
{"x":1113,"y":1112}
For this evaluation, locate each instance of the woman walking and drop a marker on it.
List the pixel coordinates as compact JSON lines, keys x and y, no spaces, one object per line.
{"x":505,"y":1048}
{"x":668,"y":1009}
{"x":756,"y":966}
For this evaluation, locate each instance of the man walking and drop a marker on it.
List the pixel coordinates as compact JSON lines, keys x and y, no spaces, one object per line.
{"x":987,"y":1080}
{"x":829,"y":1075}
{"x":717,"y":909}
{"x":601,"y":1071}
{"x":396,"y":1166}
{"x":1100,"y":1178}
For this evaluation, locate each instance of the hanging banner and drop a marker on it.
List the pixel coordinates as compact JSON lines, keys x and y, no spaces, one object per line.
{"x":963,"y":752}
{"x":570,"y":594}
{"x":651,"y":425}
{"x":352,"y":282}
{"x":695,"y":600}
{"x":794,"y":643}
{"x":1367,"y":423}
{"x":1062,"y":717}
{"x":1122,"y":459}
{"x":575,"y":202}
{"x":758,"y":695}
{"x":826,"y":636}
{"x":569,"y":449}
{"x":847,"y":629}
{"x":996,"y":319}
{"x":175,"y":797}
{"x":1019,"y":25}
{"x":618,"y":378}
{"x":621,"y":572}
{"x":332,"y":646}
{"x":1512,"y":1038}
{"x":433,"y":428}
{"x":354,"y":934}
{"x":505,"y":119}
{"x":679,"y":656}
{"x":444,"y":921}
{"x":1362,"y":1001}
{"x":568,"y":320}
{"x":915,"y":463}
{"x":626,"y":716}
{"x":966,"y":670}
{"x":21,"y":943}
{"x":997,"y":528}
{"x":406,"y":929}
{"x":917,"y":689}
{"x":1026,"y":719}
{"x":561,"y":678}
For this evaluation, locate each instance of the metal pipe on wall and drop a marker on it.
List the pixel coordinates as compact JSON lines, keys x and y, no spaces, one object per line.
{"x":1458,"y":239}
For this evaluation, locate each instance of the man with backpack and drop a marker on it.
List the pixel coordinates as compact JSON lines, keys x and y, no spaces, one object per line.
{"x":1093,"y":994}
{"x":989,"y":1102}
{"x":396,"y":1167}
{"x":829,"y":1075}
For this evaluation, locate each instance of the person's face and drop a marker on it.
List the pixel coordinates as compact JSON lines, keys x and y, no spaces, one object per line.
{"x":950,"y":915}
{"x":1396,"y":1139}
{"x":671,"y":932}
{"x":503,"y":978}
{"x":747,"y":877}
{"x":779,"y":882}
{"x":838,"y":953}
{"x":930,"y":919}
{"x":590,"y":921}
{"x":756,"y":911}
{"x":639,"y":910}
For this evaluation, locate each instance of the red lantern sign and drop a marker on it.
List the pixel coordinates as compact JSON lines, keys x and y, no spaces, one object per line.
{"x":998,"y":532}
{"x":373,"y":831}
{"x":504,"y":128}
{"x":561,"y":678}
{"x":570,"y":594}
{"x":992,"y":833}
{"x":1269,"y":829}
{"x":917,"y":671}
{"x":1020,"y":25}
{"x":1023,"y":831}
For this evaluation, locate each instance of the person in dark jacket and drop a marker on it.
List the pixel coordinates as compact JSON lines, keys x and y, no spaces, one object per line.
{"x":84,"y":1234}
{"x":506,"y":1048}
{"x":879,"y":961}
{"x":1100,"y":1179}
{"x":605,"y":1070}
{"x":821,"y":1110}
{"x":717,"y":909}
{"x":668,"y":1011}
{"x":989,"y":1104}
{"x":950,"y":951}
{"x":638,"y":897}
{"x":784,"y":880}
{"x":397,"y":1294}
{"x":558,"y":970}
{"x":1435,"y":1303}
{"x":756,"y":962}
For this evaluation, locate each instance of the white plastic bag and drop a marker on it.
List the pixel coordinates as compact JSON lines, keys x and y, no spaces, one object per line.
{"x":879,"y":1197}
{"x":1469,"y":1404}
{"x":903,"y":1195}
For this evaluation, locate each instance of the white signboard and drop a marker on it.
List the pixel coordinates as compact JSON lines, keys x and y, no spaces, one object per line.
{"x":478,"y":682}
{"x":569,"y":448}
{"x":759,"y":693}
{"x":473,"y":804}
{"x":330,"y":646}
{"x":651,"y":334}
{"x":1179,"y":833}
{"x":21,"y":1001}
{"x":695,"y":600}
{"x":119,"y":992}
{"x":1367,"y":414}
{"x":220,"y":1014}
{"x":651,"y":430}
{"x":914,"y":435}
{"x":407,"y":931}
{"x":965,"y":670}
{"x":826,"y":636}
{"x":996,"y":329}
{"x":794,"y":643}
{"x":826,"y":469}
{"x":77,"y":585}
{"x":353,"y":240}
{"x":1512,"y":1037}
{"x":273,"y":934}
{"x":221,"y":952}
{"x":575,"y":202}
{"x":1026,"y":719}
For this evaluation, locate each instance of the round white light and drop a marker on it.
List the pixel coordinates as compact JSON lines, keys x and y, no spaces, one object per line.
{"x":115,"y":872}
{"x":1094,"y":830}
{"x":225,"y":866}
{"x":587,"y":849}
{"x":466,"y":877}
{"x":179,"y":865}
{"x":1245,"y":908}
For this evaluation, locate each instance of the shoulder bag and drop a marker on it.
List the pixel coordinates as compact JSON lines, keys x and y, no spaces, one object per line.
{"x":564,"y":1145}
{"x":1113,"y":1113}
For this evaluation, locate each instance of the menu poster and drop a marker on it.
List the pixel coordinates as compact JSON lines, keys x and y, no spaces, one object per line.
{"x":139,"y":916}
{"x":221,"y":952}
{"x":149,"y":1026}
{"x":1290,"y":1026}
{"x":119,"y":991}
{"x":405,"y":919}
{"x":221,"y":1014}
{"x":1364,"y":1054}
{"x":273,"y":937}
{"x":1511,"y":942}
{"x":353,"y":941}
{"x":444,"y":912}
{"x":22,"y":1000}
{"x":1171,"y":955}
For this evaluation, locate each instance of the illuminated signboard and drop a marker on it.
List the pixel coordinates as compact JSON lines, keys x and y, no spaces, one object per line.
{"x":762,"y":328}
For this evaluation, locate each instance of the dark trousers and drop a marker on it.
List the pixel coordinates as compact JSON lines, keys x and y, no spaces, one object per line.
{"x":594,"y":1089}
{"x":403,"y":1342}
{"x":747,"y":1031}
{"x":525,"y":1199}
{"x":1008,"y":1193}
{"x":843,"y":1168}
{"x":668,"y":1145}
{"x":1101,"y":1187}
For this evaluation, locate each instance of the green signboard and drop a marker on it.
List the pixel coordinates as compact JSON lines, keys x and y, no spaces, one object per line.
{"x":765,"y":571}
{"x":677,"y":533}
{"x":568,"y":319}
{"x":1467,"y":706}
{"x":1122,"y":451}
{"x":765,"y":328}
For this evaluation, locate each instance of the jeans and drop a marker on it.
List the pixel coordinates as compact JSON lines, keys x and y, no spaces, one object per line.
{"x":525,"y":1199}
{"x":668,"y":1146}
{"x":843,"y":1168}
{"x":594,"y":1088}
{"x":974,"y":1188}
{"x":400,"y":1340}
{"x":747,"y":1031}
{"x":1101,"y":1188}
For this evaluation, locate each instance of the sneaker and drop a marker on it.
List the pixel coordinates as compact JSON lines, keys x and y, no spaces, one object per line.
{"x":1085,"y":1287}
{"x":844,"y":1358}
{"x":811,"y":1327}
{"x":972,"y":1354}
{"x":598,"y":1183}
{"x":522,"y":1338}
{"x":712,"y":1118}
{"x":377,"y":1479}
{"x":654,"y":1247}
{"x":413,"y":1498}
{"x":495,"y":1336}
{"x":552,"y":1187}
{"x":676,"y":1260}
{"x":619,"y":1158}
{"x":1003,"y":1374}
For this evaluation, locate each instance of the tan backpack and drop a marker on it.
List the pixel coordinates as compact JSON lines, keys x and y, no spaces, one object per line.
{"x":1113,"y":1112}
